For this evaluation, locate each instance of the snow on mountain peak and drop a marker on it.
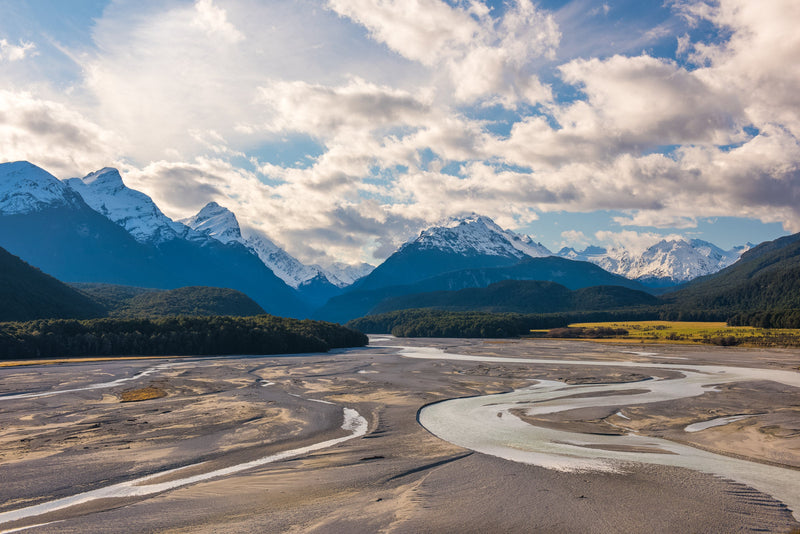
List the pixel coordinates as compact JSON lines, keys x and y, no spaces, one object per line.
{"x":25,"y":188}
{"x":217,"y":222}
{"x":477,"y":235}
{"x":106,"y":193}
{"x":221,"y":224}
{"x":107,"y":177}
{"x":677,"y":260}
{"x":343,"y":274}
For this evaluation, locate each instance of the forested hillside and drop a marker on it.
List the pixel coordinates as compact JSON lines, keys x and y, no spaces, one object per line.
{"x":765,"y":279}
{"x":27,"y":293}
{"x":522,"y":296}
{"x":127,"y":301}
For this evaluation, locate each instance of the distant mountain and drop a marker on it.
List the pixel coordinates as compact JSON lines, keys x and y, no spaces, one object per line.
{"x":311,"y":282}
{"x":665,"y":263}
{"x":572,"y":274}
{"x":344,"y":274}
{"x":126,"y":301}
{"x":49,"y":224}
{"x":522,"y":296}
{"x":215,"y":222}
{"x":221,"y":224}
{"x":105,"y":192}
{"x":766,"y":277}
{"x":26,"y":293}
{"x":460,"y":243}
{"x":25,"y":188}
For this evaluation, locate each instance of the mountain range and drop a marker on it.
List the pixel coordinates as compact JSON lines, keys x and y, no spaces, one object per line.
{"x":666,"y":263}
{"x":96,"y":229}
{"x":120,"y":237}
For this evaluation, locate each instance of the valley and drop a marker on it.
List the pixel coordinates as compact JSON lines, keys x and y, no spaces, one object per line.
{"x":332,"y":442}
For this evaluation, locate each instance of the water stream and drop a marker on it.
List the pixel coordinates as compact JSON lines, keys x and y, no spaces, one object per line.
{"x":487,"y":424}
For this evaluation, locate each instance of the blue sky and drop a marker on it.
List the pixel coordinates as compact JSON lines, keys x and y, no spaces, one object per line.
{"x":342,"y":128}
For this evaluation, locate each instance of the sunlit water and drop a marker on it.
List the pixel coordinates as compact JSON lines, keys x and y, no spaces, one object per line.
{"x":486,"y":424}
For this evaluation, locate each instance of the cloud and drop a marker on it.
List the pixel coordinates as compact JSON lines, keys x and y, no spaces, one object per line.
{"x":633,"y":242}
{"x":52,"y":135}
{"x":482,"y":56}
{"x":325,"y":111}
{"x":759,"y":60}
{"x":631,"y":105}
{"x":11,"y":52}
{"x":214,"y":21}
{"x":575,"y":239}
{"x":420,"y":109}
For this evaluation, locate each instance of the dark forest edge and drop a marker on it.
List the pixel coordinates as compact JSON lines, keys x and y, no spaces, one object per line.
{"x":172,"y":336}
{"x":440,"y":323}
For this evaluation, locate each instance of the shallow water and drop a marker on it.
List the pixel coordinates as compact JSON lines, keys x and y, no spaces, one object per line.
{"x":719,"y":421}
{"x":486,"y":424}
{"x":353,"y":422}
{"x":100,"y":385}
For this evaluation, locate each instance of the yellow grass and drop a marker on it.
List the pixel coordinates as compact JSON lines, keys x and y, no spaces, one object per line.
{"x":142,"y":394}
{"x":687,"y":332}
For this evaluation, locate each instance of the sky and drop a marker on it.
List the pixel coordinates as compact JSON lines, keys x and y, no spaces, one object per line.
{"x":341,"y":128}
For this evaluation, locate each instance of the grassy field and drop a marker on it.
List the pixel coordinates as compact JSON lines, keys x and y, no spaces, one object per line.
{"x":683,"y":332}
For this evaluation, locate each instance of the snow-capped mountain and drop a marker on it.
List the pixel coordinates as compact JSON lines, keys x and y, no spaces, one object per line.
{"x":221,"y":224}
{"x":105,"y":192}
{"x":283,"y":264}
{"x":476,"y":235}
{"x":120,"y":237}
{"x":26,"y":188}
{"x":459,"y":243}
{"x":217,"y":222}
{"x":343,"y":274}
{"x":668,"y":261}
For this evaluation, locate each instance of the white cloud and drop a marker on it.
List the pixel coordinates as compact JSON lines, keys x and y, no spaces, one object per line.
{"x":575,"y":239}
{"x":633,"y":242}
{"x":12,"y":52}
{"x":759,"y":61}
{"x":325,"y":111}
{"x":389,"y":89}
{"x":52,"y":135}
{"x":214,"y":21}
{"x":482,"y":56}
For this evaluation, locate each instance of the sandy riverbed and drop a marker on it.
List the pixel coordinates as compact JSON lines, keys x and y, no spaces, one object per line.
{"x":220,"y":413}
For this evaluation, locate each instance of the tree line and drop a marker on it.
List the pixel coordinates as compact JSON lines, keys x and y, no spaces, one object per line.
{"x":179,"y":336}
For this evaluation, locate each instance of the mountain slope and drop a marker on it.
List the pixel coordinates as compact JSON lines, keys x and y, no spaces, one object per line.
{"x":666,"y":263}
{"x":521,"y":296}
{"x":26,"y":293}
{"x":126,"y":301}
{"x":461,"y":243}
{"x":105,"y":192}
{"x":766,"y":277}
{"x":572,"y":274}
{"x":314,"y":286}
{"x":215,"y":221}
{"x":343,"y":274}
{"x":62,"y":235}
{"x":25,"y":188}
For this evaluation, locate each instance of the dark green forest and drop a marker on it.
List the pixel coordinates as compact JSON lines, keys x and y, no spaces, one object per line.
{"x":523,"y":296}
{"x":263,"y":334}
{"x":28,"y":293}
{"x":441,"y":323}
{"x":128,"y":302}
